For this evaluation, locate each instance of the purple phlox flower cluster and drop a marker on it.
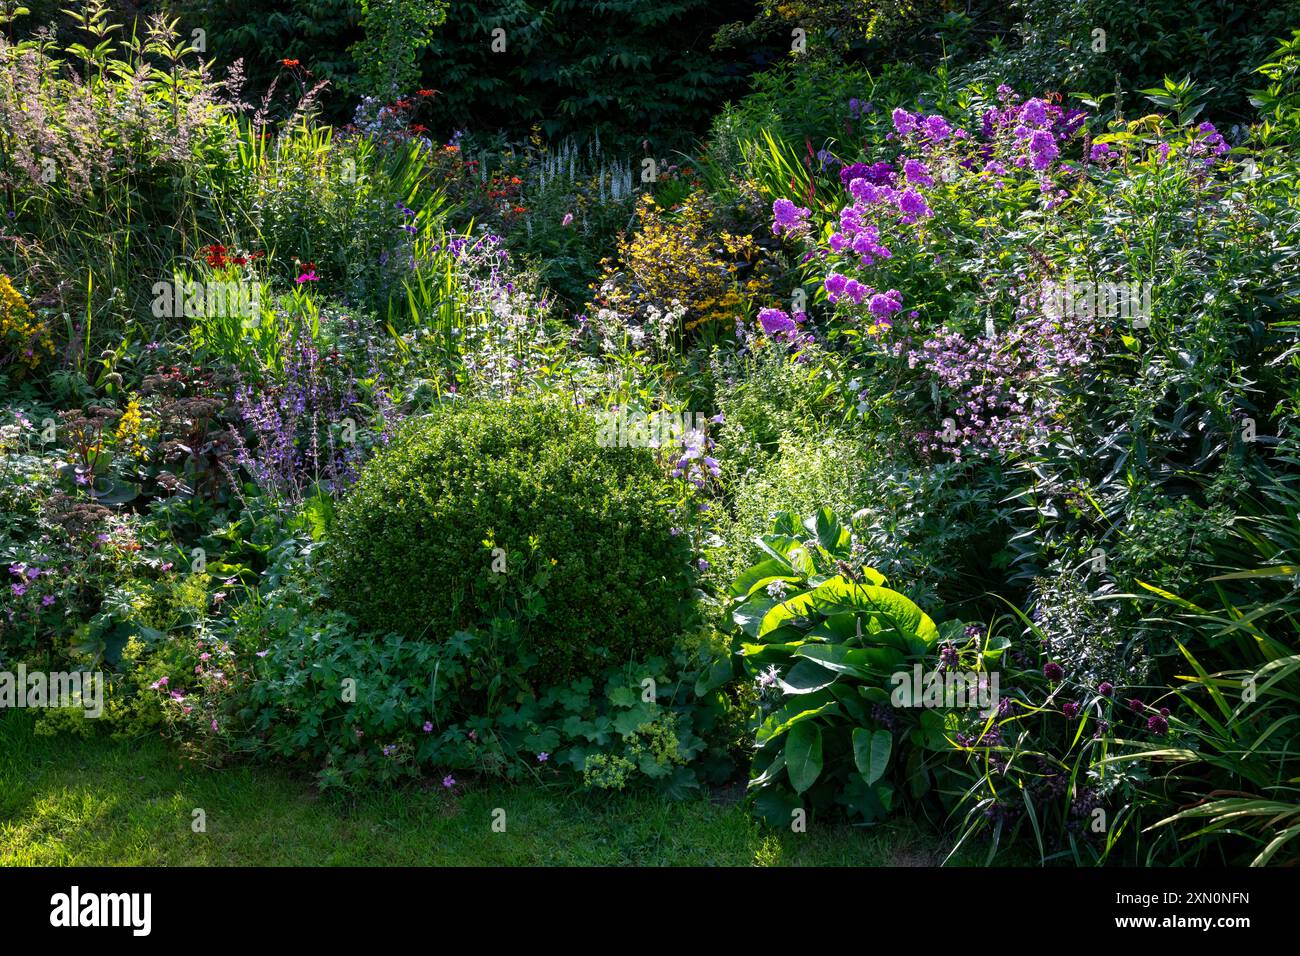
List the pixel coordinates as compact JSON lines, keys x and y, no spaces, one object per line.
{"x":1042,"y":149}
{"x":1102,"y":153}
{"x":777,"y":323}
{"x":788,"y":219}
{"x":1208,"y":145}
{"x":881,"y":305}
{"x":927,"y":130}
{"x":1030,"y":133}
{"x":878,"y":174}
{"x":780,"y":326}
{"x":916,"y":171}
{"x":907,"y":204}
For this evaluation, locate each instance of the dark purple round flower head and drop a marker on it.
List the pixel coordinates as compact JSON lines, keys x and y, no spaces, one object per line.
{"x":1136,"y":705}
{"x":1053,"y":671}
{"x":1105,"y":688}
{"x":1157,"y":724}
{"x":1071,"y":709}
{"x":1164,"y":711}
{"x":878,"y":174}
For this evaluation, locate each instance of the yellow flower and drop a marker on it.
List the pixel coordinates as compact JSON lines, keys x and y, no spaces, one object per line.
{"x":131,"y":429}
{"x":680,"y":256}
{"x":22,"y":335}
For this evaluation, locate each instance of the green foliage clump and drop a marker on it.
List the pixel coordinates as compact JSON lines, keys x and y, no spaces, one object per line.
{"x":578,"y":68}
{"x":354,"y":215}
{"x":831,"y":650}
{"x":1097,"y":45}
{"x":396,"y":32}
{"x":513,"y":511}
{"x":362,"y":708}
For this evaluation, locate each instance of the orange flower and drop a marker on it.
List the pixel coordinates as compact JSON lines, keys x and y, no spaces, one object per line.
{"x":290,"y":64}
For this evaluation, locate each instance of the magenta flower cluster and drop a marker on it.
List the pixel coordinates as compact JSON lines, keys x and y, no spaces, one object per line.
{"x":788,"y":219}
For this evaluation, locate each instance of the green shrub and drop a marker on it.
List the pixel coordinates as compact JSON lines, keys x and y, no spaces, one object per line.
{"x":592,"y":574}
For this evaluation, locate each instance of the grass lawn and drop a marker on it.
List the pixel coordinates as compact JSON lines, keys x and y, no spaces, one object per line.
{"x":67,"y":801}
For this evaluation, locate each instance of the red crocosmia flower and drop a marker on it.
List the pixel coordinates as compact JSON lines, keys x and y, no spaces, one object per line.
{"x":290,"y":64}
{"x":417,"y":128}
{"x":426,"y":92}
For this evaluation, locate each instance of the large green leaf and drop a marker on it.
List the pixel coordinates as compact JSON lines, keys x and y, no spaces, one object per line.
{"x":787,"y":548}
{"x":831,"y":535}
{"x":763,"y":574}
{"x":888,"y":607}
{"x":871,"y":749}
{"x":803,"y":755}
{"x":865,"y":663}
{"x":749,"y":616}
{"x":817,"y":704}
{"x":865,"y":629}
{"x":807,"y":676}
